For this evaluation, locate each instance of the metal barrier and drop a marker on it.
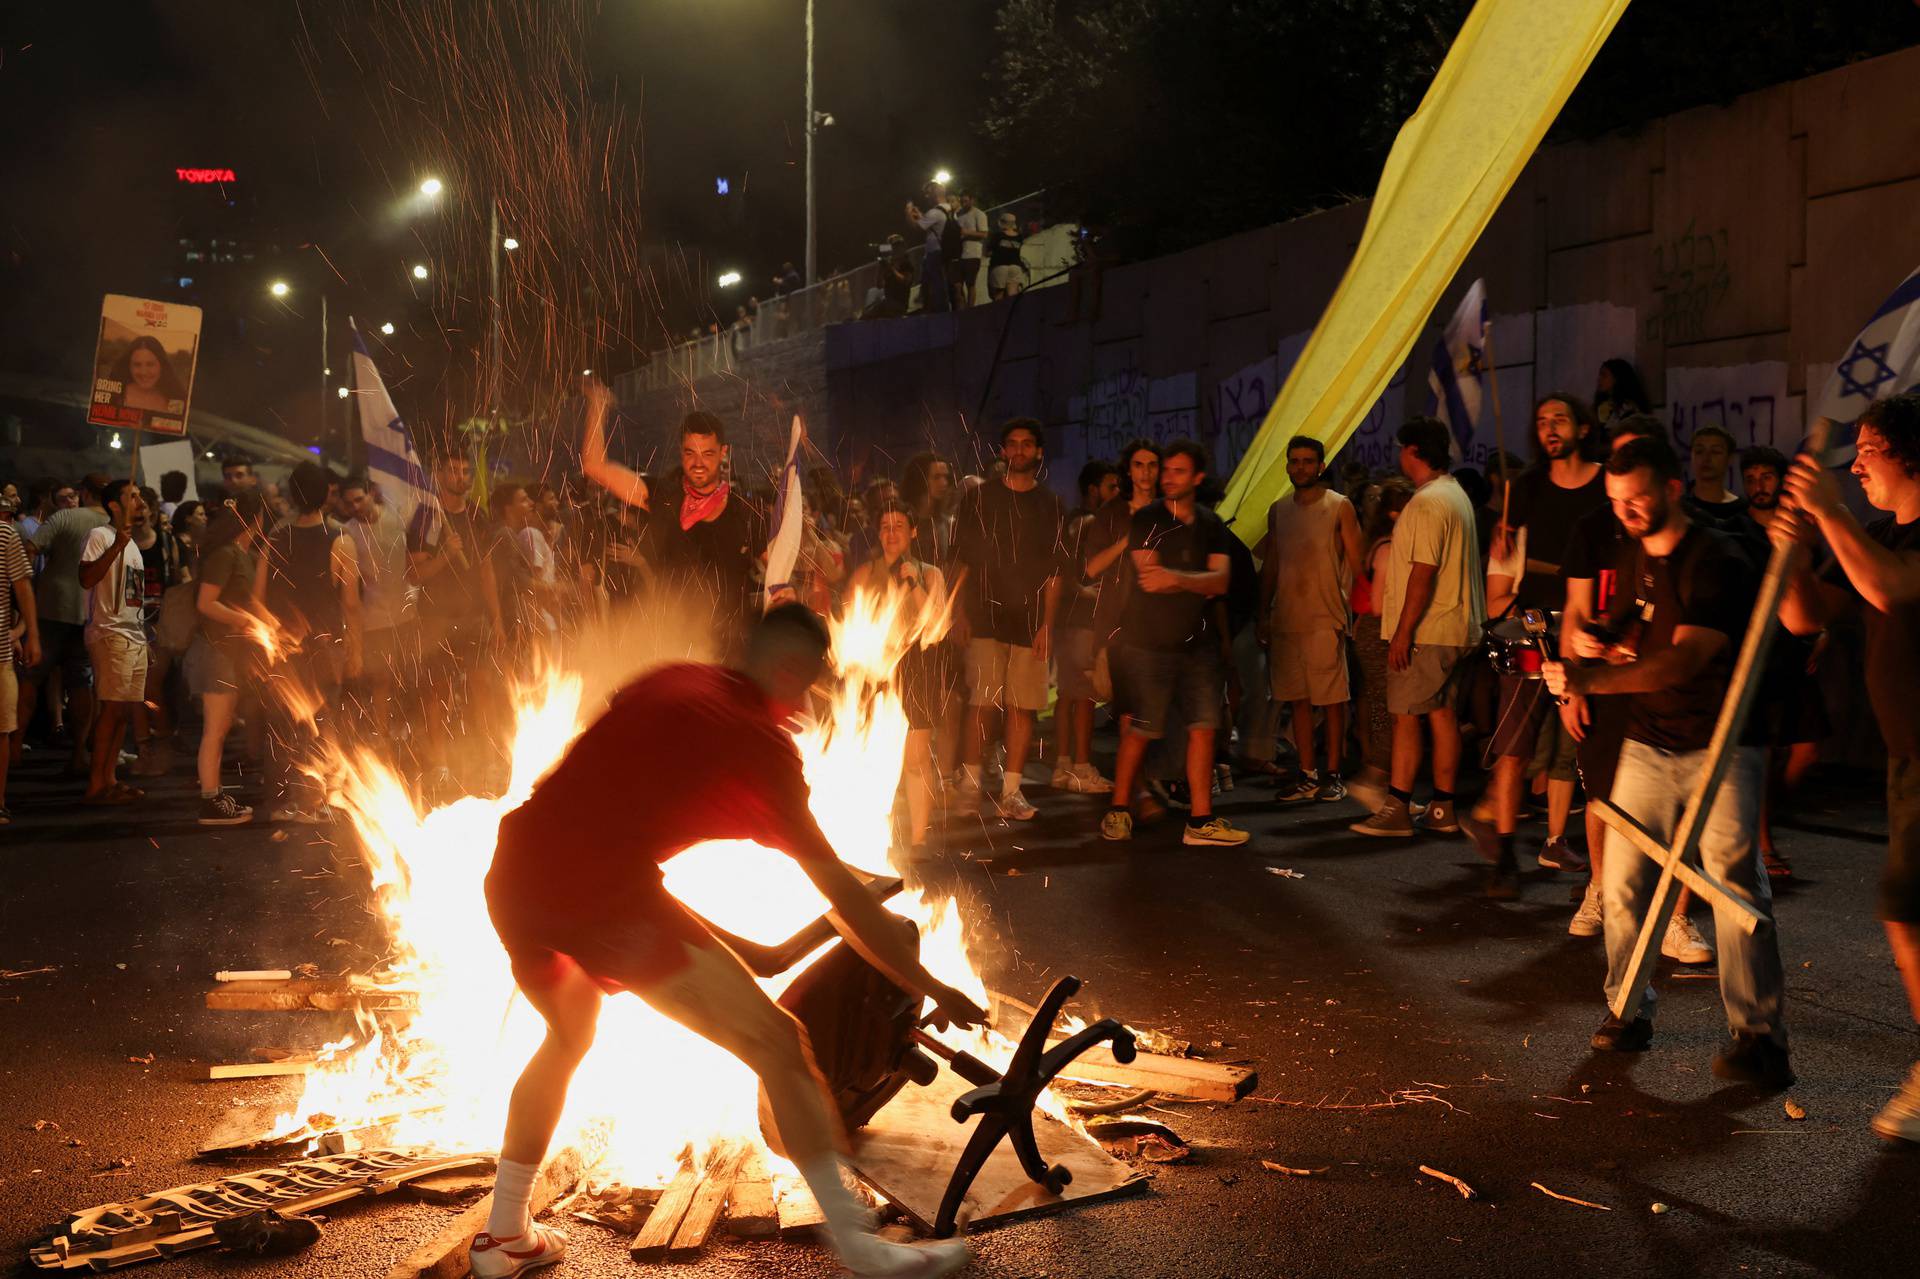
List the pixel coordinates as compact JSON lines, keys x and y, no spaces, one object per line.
{"x":837,"y":300}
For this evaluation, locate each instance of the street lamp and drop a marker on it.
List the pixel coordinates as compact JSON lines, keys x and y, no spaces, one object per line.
{"x":387,"y":328}
{"x":279,"y":288}
{"x":419,"y":271}
{"x":586,"y":372}
{"x":509,"y":244}
{"x":430,"y":187}
{"x":943,"y":177}
{"x":343,"y":392}
{"x":728,"y":280}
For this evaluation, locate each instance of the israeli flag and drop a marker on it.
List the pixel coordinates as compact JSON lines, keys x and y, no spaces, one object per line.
{"x":391,"y":462}
{"x":1458,"y":376}
{"x":783,"y":548}
{"x":1883,"y":360}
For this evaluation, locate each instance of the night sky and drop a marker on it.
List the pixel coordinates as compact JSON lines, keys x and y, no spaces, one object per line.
{"x":331,"y":111}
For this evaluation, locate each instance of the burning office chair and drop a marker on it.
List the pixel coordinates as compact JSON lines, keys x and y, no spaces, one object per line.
{"x":870,"y":1041}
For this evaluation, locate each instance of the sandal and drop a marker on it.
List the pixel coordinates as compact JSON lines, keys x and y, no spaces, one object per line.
{"x":112,"y":797}
{"x":131,"y":793}
{"x":1778,"y":867}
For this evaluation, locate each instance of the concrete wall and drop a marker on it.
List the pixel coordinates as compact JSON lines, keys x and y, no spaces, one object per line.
{"x":1731,"y":252}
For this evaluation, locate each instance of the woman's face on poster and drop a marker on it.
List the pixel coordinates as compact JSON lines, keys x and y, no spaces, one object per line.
{"x":145,"y":366}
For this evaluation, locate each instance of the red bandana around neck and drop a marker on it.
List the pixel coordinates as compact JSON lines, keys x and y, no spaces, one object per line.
{"x":696,"y":507}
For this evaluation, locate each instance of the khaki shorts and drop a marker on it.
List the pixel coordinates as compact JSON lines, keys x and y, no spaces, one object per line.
{"x":1308,"y":666}
{"x":1004,"y":675}
{"x":9,"y":700}
{"x":1428,"y":683}
{"x":119,"y":667}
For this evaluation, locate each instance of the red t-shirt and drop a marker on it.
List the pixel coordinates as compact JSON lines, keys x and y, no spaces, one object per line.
{"x":684,"y":754}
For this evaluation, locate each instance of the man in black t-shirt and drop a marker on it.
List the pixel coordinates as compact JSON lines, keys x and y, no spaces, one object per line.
{"x":1878,"y":569}
{"x":1006,"y":539}
{"x":1683,"y":606}
{"x":1169,"y":662}
{"x":1523,"y":572}
{"x":706,"y":542}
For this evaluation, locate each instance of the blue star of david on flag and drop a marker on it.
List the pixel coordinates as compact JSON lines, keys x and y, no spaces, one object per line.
{"x":1878,"y":373}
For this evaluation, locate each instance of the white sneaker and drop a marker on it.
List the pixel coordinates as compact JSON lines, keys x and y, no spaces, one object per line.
{"x":1683,"y":942}
{"x":1063,"y":774}
{"x":1088,"y":780}
{"x":930,"y":1260}
{"x":491,"y":1258}
{"x":1014,"y":807}
{"x":1587,"y":921}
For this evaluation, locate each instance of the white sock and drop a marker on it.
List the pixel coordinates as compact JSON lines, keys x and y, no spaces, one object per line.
{"x":848,"y":1224}
{"x":512,"y":1195}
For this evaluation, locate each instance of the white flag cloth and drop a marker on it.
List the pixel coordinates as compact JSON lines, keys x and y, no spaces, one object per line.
{"x":392,"y":463}
{"x":1883,"y":360}
{"x":783,"y":548}
{"x":1459,"y":372}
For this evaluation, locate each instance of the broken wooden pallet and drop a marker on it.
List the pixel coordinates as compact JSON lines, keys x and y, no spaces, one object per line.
{"x":1179,"y":1076}
{"x":751,"y":1213}
{"x":310,"y":994}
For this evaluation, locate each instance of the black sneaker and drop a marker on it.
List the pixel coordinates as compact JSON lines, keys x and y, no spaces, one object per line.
{"x":1616,"y":1036}
{"x":1503,"y":883}
{"x":1749,"y":1058}
{"x":224,"y":810}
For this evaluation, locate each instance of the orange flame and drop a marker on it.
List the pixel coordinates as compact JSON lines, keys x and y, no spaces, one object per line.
{"x":656,"y":1087}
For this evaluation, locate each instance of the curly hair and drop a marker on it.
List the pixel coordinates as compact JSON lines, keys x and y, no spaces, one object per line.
{"x":1896,"y":420}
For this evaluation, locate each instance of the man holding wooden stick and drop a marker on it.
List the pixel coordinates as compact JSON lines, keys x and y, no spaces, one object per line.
{"x":1684,"y":602}
{"x":685,"y":754}
{"x":1878,"y":569}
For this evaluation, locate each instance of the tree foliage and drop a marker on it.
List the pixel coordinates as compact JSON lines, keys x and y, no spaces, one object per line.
{"x":1186,"y":120}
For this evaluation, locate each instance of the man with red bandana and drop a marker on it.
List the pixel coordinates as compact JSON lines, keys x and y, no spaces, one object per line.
{"x":685,"y":754}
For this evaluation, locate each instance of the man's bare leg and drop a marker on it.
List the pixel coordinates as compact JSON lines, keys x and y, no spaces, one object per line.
{"x":1905,"y":940}
{"x":1126,"y":766}
{"x":1303,"y":743}
{"x":1406,"y":752}
{"x":1019,"y":743}
{"x":717,"y":998}
{"x":1200,"y":773}
{"x":1335,"y":717}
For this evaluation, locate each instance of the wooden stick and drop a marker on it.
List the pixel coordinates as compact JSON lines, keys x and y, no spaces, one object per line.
{"x":800,"y":1214}
{"x":1180,"y":1076}
{"x":1741,"y":691}
{"x":260,"y":1069}
{"x":1466,"y":1191}
{"x":1584,"y":1203}
{"x":1698,"y":880}
{"x":1271,"y":1166}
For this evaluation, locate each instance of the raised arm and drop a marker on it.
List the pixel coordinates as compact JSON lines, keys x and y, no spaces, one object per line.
{"x":621,"y":481}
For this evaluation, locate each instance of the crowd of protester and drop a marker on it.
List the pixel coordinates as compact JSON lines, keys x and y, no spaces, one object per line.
{"x":1564,"y":625}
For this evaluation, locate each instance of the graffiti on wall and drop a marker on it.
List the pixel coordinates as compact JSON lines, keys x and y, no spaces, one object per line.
{"x":1749,"y":401}
{"x":1690,"y":273}
{"x":1127,"y":405}
{"x":1237,"y":408}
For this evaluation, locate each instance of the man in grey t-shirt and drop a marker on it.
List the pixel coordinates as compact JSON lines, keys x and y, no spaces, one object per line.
{"x":63,"y":614}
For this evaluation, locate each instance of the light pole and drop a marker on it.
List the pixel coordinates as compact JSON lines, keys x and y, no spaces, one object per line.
{"x":813,"y":126}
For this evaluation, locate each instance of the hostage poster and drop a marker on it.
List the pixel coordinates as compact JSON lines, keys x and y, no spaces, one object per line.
{"x":143,"y":365}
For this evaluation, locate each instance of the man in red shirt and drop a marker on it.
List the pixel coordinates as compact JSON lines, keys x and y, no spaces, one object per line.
{"x":685,"y":754}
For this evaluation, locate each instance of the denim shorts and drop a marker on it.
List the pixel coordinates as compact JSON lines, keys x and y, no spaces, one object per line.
{"x":1162,"y":690}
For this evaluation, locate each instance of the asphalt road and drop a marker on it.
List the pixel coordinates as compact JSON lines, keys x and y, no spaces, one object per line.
{"x":1380,"y":971}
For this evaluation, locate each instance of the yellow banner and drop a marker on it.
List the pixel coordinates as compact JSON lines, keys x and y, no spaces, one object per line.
{"x":1504,"y":80}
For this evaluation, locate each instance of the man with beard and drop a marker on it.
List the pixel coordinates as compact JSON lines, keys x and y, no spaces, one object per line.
{"x":1790,"y":706}
{"x":1315,"y":534}
{"x":705,"y":539}
{"x":1877,"y":569}
{"x":1563,"y":486}
{"x":1007,"y":541}
{"x":1685,"y":597}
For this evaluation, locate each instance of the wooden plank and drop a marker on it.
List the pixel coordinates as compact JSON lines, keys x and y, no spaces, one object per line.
{"x":751,"y":1213}
{"x":260,"y":1069}
{"x":455,"y":1187}
{"x":309,"y":994}
{"x":1698,"y":880}
{"x":908,"y":1151}
{"x":1742,"y":687}
{"x":800,"y":1215}
{"x":656,"y":1236}
{"x":723,"y":1165}
{"x":445,"y":1255}
{"x":1180,"y":1076}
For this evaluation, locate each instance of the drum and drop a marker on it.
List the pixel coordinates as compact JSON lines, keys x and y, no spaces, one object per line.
{"x":1513,"y":650}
